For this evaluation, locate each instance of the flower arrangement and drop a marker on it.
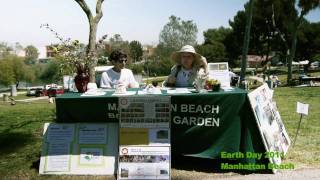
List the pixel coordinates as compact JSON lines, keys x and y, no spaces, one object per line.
{"x":73,"y":58}
{"x":213,"y":84}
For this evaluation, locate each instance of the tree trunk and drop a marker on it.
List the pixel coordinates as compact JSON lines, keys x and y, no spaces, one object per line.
{"x":93,"y":23}
{"x":292,"y":52}
{"x":91,"y":51}
{"x":246,"y":42}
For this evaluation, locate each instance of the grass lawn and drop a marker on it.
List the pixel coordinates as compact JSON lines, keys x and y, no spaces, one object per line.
{"x":21,"y":134}
{"x":306,"y":151}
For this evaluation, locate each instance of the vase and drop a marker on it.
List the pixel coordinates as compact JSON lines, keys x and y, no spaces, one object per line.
{"x":81,"y":81}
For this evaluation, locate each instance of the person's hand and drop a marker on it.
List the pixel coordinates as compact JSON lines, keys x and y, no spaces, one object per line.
{"x":131,"y":86}
{"x":172,"y":80}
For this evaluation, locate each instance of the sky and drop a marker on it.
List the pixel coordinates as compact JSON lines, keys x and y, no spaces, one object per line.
{"x":140,"y":20}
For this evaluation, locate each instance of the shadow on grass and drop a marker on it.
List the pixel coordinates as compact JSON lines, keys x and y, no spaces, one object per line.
{"x":208,"y":165}
{"x":12,"y":141}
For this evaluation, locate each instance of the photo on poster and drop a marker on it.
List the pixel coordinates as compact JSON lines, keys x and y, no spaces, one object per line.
{"x":92,"y":156}
{"x":144,"y":112}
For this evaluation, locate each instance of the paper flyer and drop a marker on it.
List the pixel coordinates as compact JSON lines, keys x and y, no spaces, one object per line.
{"x":144,"y":162}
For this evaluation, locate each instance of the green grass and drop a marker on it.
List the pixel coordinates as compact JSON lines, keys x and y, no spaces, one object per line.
{"x":306,"y":151}
{"x":21,"y":137}
{"x":21,"y":133}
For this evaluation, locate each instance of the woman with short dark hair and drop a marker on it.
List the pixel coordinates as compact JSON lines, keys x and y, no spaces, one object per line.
{"x":118,"y":74}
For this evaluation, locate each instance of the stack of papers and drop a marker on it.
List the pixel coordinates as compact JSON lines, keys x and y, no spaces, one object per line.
{"x":150,"y":91}
{"x":226,"y":88}
{"x":179,"y":91}
{"x":93,"y":93}
{"x":128,"y":93}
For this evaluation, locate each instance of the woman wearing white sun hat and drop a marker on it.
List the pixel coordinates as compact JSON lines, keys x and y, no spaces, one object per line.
{"x":188,"y":65}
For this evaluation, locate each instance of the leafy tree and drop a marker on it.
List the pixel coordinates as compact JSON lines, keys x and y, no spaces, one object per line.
{"x":13,"y":71}
{"x":117,"y":42}
{"x":6,"y":73}
{"x":32,"y":55}
{"x":214,"y":52}
{"x":306,"y":6}
{"x":177,"y":33}
{"x":51,"y":73}
{"x":216,"y":35}
{"x":5,"y":50}
{"x":136,"y":51}
{"x":213,"y":47}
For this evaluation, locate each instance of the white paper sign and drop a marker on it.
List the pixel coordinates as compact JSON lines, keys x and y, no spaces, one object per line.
{"x":302,"y":108}
{"x":58,"y":157}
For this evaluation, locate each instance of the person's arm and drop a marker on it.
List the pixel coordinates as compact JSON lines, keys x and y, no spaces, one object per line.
{"x":171,"y":80}
{"x":132,"y":82}
{"x":104,"y":82}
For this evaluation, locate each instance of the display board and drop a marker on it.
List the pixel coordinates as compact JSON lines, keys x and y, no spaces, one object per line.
{"x":144,"y":111}
{"x":144,"y":137}
{"x":272,"y":129}
{"x":144,"y":162}
{"x":79,"y":148}
{"x":220,"y":71}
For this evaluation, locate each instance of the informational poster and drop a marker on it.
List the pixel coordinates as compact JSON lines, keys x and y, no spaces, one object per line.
{"x":79,"y":148}
{"x":144,"y":162}
{"x":59,"y":157}
{"x":220,"y":72}
{"x":145,"y":136}
{"x":273,"y":132}
{"x":60,"y":133}
{"x":144,"y":111}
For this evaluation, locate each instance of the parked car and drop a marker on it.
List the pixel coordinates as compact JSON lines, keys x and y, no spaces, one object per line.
{"x":35,"y":91}
{"x":54,"y":91}
{"x":315,"y":65}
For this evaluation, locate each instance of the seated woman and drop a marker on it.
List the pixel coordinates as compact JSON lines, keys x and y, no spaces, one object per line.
{"x":186,"y":70}
{"x":118,"y":75}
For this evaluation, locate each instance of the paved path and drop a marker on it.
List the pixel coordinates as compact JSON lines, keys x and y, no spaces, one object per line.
{"x":303,"y":174}
{"x":8,"y":93}
{"x":32,"y":99}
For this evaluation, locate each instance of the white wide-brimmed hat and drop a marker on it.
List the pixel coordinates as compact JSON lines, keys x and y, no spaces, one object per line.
{"x":176,"y":56}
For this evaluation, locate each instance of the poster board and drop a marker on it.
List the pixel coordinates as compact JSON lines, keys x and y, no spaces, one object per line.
{"x":220,"y":71}
{"x":271,"y":127}
{"x":79,"y":149}
{"x":144,"y":137}
{"x":144,"y":112}
{"x":144,"y":162}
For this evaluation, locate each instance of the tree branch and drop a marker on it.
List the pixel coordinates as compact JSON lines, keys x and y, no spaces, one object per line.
{"x":85,"y":8}
{"x":99,"y":13}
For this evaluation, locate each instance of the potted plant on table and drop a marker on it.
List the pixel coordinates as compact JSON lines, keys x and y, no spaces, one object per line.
{"x":213,"y":84}
{"x":74,"y":59}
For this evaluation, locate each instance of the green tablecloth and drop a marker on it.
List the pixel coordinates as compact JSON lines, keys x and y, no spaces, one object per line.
{"x":230,"y":128}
